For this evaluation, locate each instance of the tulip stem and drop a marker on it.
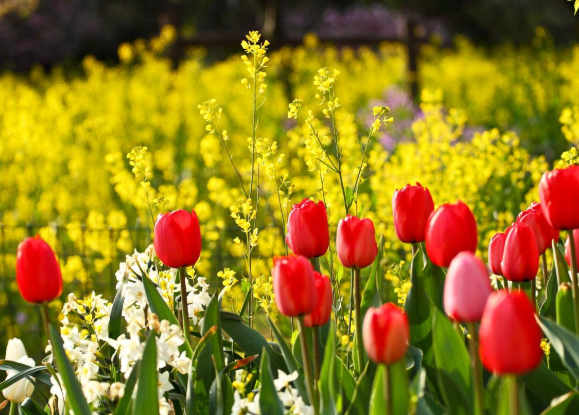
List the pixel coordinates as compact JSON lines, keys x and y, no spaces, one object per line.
{"x":317,"y":360}
{"x":477,"y":372}
{"x":544,"y":269}
{"x":574,"y":280}
{"x":387,"y":392}
{"x":513,"y":394}
{"x":316,"y":264}
{"x":357,"y":305}
{"x":46,"y":319}
{"x":307,"y":363}
{"x":534,"y":294}
{"x":13,"y":408}
{"x":184,"y":305}
{"x":350,"y":315}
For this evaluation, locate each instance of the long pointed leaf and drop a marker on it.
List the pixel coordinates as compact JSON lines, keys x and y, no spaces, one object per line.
{"x":116,"y":317}
{"x":124,"y":405}
{"x":269,"y":402}
{"x":147,"y":399}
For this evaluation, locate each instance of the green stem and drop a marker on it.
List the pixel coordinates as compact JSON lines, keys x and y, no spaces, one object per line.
{"x":317,"y":360}
{"x":387,"y":391}
{"x":46,"y":320}
{"x":13,"y":408}
{"x":350,"y":312}
{"x":357,"y":305}
{"x":184,"y":307}
{"x":316,"y":264}
{"x":477,"y":371}
{"x":307,"y":362}
{"x":574,"y":280}
{"x":534,"y":294}
{"x":513,"y":395}
{"x":545,"y":269}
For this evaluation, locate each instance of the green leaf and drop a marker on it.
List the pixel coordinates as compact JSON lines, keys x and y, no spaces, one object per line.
{"x":29,"y":407}
{"x":561,"y":268}
{"x":564,"y":342}
{"x":370,"y":296}
{"x":290,"y":361}
{"x":124,"y":405}
{"x":214,"y":347}
{"x":269,"y":402}
{"x":74,"y":395}
{"x":416,"y":355}
{"x":548,"y":306}
{"x":250,"y":341}
{"x":162,"y":310}
{"x":21,"y":375}
{"x":435,"y":277}
{"x":564,"y":405}
{"x":19,"y":367}
{"x":398,"y":390}
{"x":544,"y":384}
{"x":116,"y":317}
{"x":327,"y":383}
{"x":565,"y":313}
{"x":349,"y":197}
{"x":361,"y":394}
{"x":147,"y":399}
{"x":453,"y":366}
{"x":190,"y":404}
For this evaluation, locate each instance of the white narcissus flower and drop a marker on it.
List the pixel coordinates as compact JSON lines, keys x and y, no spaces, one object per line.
{"x":283,"y":380}
{"x":22,"y":389}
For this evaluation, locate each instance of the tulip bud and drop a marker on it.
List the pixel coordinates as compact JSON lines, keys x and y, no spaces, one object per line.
{"x":559,"y":193}
{"x":411,"y":208}
{"x":307,"y":229}
{"x":510,"y":338}
{"x":356,"y":242}
{"x":37,"y":271}
{"x":521,"y":256}
{"x":568,"y":247}
{"x":178,"y":238}
{"x":467,"y":288}
{"x":323,"y":311}
{"x":451,"y":229}
{"x":19,"y":391}
{"x":544,"y":233}
{"x":565,"y":314}
{"x":294,"y":286}
{"x":386,"y":333}
{"x":496,"y":249}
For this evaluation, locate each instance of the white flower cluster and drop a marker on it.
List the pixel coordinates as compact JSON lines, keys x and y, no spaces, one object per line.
{"x":292,"y":402}
{"x":83,"y":342}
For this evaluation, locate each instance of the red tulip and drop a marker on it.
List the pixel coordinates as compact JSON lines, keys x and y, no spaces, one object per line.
{"x":568,"y":247}
{"x":521,"y":256}
{"x":386,"y":333}
{"x":510,"y":338}
{"x":307,"y":229}
{"x":544,"y":233}
{"x":294,"y":286}
{"x":559,"y":193}
{"x":496,"y":249}
{"x":37,"y":271}
{"x":178,"y":238}
{"x":451,"y":229}
{"x":467,"y":288}
{"x":411,"y":207}
{"x":356,"y":242}
{"x":323,"y":311}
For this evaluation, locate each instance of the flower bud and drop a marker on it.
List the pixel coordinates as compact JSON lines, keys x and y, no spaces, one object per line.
{"x":564,"y":307}
{"x":411,"y":208}
{"x":521,"y":256}
{"x":307,"y":229}
{"x":178,"y":238}
{"x":356,"y":242}
{"x":386,"y":333}
{"x":323,"y":311}
{"x":467,"y":288}
{"x":544,"y":233}
{"x":294,"y":286}
{"x":510,"y":338}
{"x":451,"y":229}
{"x":496,"y":249}
{"x":37,"y":271}
{"x":559,"y":194}
{"x":19,"y":391}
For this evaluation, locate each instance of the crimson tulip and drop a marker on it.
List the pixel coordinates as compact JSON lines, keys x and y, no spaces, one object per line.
{"x":451,"y":229}
{"x":307,"y":229}
{"x":178,"y":238}
{"x":323,"y":311}
{"x":510,"y":338}
{"x":559,"y":193}
{"x":568,"y":247}
{"x":356,"y":242}
{"x":411,"y":208}
{"x":521,"y":255}
{"x":294,"y":286}
{"x":467,"y":288}
{"x":37,"y":271}
{"x":496,"y":249}
{"x":386,"y":333}
{"x":543,"y":231}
